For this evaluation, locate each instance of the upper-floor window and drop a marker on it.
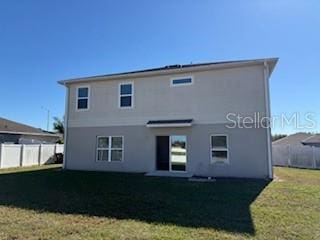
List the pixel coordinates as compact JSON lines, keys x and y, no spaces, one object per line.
{"x":219,"y":149}
{"x":83,"y":98}
{"x":181,"y":81}
{"x":126,"y":95}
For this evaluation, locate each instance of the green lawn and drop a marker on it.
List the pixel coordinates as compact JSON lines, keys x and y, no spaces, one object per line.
{"x":48,"y":203}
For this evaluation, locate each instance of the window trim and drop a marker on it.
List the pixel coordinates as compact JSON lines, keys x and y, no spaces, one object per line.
{"x":126,"y":95}
{"x":77,"y":98}
{"x":109,"y":149}
{"x":212,"y":161}
{"x":180,"y":84}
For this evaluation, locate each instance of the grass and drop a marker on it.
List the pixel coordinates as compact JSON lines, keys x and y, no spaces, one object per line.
{"x":48,"y":203}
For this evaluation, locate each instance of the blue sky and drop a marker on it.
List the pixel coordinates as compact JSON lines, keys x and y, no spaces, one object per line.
{"x":45,"y":41}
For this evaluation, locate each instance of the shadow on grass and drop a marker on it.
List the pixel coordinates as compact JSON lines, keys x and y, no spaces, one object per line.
{"x":224,"y":204}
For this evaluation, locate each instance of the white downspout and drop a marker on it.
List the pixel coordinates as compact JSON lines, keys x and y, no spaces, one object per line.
{"x":66,"y":119}
{"x":268,"y":115}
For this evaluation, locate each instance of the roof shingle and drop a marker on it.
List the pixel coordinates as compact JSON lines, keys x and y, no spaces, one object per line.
{"x":9,"y":126}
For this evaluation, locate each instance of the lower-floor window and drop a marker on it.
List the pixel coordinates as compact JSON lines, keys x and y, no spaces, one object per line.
{"x":109,"y":148}
{"x":219,"y":148}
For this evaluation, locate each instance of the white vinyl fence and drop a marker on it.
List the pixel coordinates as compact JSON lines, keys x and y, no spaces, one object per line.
{"x":17,"y":155}
{"x":296,"y":156}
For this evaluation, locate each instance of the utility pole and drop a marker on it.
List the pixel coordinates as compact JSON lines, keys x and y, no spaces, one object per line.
{"x":48,"y":116}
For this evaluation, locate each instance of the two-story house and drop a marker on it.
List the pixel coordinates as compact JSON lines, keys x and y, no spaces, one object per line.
{"x":177,"y":120}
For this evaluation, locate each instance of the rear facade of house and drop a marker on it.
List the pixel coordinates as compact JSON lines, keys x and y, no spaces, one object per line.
{"x":176,"y":119}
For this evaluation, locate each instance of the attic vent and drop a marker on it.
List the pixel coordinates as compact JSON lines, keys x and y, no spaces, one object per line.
{"x":173,"y":66}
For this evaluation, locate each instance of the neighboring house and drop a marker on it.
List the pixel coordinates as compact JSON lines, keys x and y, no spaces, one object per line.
{"x":299,"y":139}
{"x":313,"y":140}
{"x":17,"y":133}
{"x":297,"y":150}
{"x":293,"y":139}
{"x":171,"y":120}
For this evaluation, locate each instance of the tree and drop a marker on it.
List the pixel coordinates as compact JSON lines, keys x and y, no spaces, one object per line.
{"x":58,"y":125}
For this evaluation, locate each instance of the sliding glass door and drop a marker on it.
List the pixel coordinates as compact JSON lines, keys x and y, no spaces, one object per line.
{"x":172,"y":153}
{"x":178,"y":153}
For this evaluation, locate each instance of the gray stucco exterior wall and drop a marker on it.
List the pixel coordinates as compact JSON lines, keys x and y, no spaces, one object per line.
{"x":247,"y":149}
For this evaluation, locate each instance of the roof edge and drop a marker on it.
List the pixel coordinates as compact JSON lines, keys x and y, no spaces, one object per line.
{"x":290,"y":135}
{"x":176,"y":70}
{"x":307,"y":140}
{"x":32,"y":134}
